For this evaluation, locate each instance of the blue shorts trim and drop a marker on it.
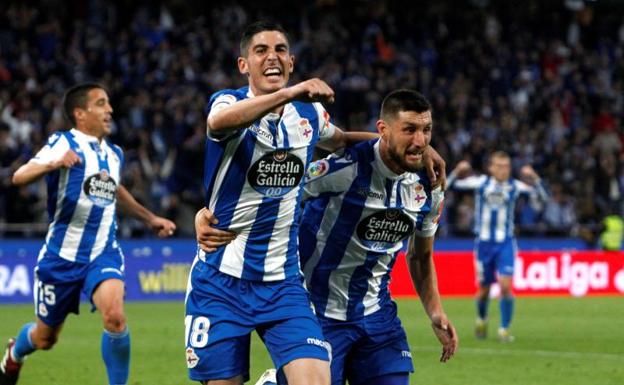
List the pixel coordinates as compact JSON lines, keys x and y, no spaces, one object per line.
{"x":59,"y":284}
{"x":369,"y":347}
{"x":222,"y":311}
{"x":494,"y":258}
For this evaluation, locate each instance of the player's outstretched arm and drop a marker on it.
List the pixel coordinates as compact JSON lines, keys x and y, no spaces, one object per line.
{"x":162,"y":227}
{"x":422,"y":270}
{"x":342,"y":139}
{"x":32,"y":171}
{"x":242,"y":113}
{"x":210,"y":238}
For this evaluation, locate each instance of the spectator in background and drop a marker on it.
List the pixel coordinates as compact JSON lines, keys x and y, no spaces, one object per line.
{"x":500,"y":78}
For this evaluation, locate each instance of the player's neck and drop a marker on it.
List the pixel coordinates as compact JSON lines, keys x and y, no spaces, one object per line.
{"x":85,"y":131}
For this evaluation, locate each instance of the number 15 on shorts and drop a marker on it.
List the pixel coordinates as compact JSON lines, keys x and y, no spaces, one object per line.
{"x":196,"y":331}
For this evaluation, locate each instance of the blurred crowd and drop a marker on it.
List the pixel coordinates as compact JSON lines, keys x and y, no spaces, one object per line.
{"x":543,"y":81}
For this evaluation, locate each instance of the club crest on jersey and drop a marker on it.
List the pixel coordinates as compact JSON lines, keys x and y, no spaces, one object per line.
{"x":318,"y":168}
{"x":100,"y":188}
{"x":191,"y":358}
{"x":275,"y":174}
{"x":305,"y":128}
{"x":383,"y":229}
{"x":420,"y":196}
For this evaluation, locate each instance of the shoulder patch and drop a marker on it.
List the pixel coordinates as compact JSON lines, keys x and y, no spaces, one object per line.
{"x":318,"y":168}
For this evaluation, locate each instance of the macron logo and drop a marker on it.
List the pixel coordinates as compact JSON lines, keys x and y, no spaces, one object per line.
{"x":323,"y":344}
{"x":406,"y":354}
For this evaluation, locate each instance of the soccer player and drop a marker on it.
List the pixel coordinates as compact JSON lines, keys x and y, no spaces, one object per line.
{"x":260,"y":140}
{"x":495,"y":245}
{"x":81,"y":252}
{"x":363,"y":206}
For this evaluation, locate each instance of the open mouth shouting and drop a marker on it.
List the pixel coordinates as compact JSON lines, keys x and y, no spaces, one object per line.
{"x":273,"y":73}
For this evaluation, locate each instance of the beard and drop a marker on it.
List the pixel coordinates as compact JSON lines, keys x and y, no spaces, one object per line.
{"x":400,"y":160}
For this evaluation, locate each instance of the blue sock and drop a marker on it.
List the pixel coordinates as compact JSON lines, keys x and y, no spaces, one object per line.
{"x":23,"y":344}
{"x":482,"y":308}
{"x":116,"y":355}
{"x":506,"y":309}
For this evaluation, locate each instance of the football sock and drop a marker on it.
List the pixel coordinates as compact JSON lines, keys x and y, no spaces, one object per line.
{"x":23,"y":344}
{"x":506,"y":310}
{"x":482,"y":308}
{"x":116,"y":355}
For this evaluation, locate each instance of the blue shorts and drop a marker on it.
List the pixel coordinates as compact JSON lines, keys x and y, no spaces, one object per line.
{"x":222,"y":311}
{"x":372,"y":346}
{"x":495,"y":257}
{"x":59,"y":282}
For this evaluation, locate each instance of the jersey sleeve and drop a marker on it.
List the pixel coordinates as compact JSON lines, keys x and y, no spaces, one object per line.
{"x":119,"y":151}
{"x":326,"y":127}
{"x":56,"y":146}
{"x":218,"y":102}
{"x":333,"y":174}
{"x":432,"y":218}
{"x":468,"y":183}
{"x":537,"y":194}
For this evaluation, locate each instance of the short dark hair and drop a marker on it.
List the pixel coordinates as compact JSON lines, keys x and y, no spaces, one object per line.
{"x":76,"y":97}
{"x":403,"y":100}
{"x":257,"y":27}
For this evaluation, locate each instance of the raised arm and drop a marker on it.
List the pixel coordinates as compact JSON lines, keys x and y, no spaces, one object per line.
{"x":422,"y":271}
{"x":34,"y":169}
{"x":227,"y":115}
{"x":342,"y":139}
{"x":161,"y":226}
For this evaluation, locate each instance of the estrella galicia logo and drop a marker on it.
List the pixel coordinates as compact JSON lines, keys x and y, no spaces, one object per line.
{"x":276,"y":173}
{"x":384,"y":229}
{"x":100,"y":188}
{"x":495,"y":198}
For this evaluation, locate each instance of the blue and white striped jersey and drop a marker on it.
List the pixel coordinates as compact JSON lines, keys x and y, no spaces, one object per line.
{"x":81,"y":199}
{"x":252,"y":180}
{"x":359,"y":215}
{"x":495,"y":203}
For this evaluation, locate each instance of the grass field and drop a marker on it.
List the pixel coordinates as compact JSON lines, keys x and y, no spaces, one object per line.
{"x":559,"y":341}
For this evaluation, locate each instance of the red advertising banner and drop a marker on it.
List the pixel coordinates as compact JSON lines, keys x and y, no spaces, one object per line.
{"x":575,"y":273}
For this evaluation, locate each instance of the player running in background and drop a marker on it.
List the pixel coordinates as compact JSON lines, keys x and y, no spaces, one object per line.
{"x":495,"y":245}
{"x":363,"y":207}
{"x":260,"y":140}
{"x":81,"y":252}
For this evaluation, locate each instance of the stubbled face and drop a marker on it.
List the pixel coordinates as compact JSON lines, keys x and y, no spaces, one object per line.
{"x":500,"y":168}
{"x":268,"y":63}
{"x":96,"y":118}
{"x":404,"y":140}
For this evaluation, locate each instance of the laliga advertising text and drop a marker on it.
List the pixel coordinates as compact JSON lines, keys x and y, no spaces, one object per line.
{"x":560,"y":273}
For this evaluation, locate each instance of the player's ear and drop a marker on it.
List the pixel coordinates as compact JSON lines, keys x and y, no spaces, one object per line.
{"x":243,"y":68}
{"x":382,"y":128}
{"x":79,"y":113}
{"x":291,"y":64}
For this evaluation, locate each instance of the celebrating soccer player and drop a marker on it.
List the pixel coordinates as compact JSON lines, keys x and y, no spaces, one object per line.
{"x":261,"y":139}
{"x":362,"y":208}
{"x":81,"y":252}
{"x":495,"y":197}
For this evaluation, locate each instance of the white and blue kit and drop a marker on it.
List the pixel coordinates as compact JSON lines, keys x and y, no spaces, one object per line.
{"x":495,"y":203}
{"x":81,"y":249}
{"x":253,"y":181}
{"x":358,"y":216}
